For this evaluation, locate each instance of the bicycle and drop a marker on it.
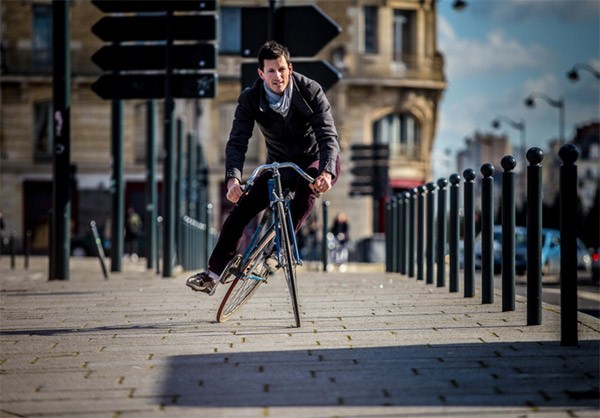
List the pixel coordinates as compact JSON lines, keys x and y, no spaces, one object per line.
{"x":274,"y":236}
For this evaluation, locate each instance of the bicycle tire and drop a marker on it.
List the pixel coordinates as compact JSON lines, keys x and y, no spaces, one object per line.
{"x":241,"y":290}
{"x":288,"y":261}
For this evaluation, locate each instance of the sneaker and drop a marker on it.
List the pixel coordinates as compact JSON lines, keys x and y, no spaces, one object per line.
{"x":203,"y":282}
{"x":271,"y":263}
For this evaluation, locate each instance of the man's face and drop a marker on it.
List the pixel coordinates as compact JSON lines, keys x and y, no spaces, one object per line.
{"x":276,"y":74}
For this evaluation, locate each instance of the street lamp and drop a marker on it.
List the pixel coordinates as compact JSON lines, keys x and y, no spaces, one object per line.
{"x":560,"y":104}
{"x":573,"y":75}
{"x":520,"y":126}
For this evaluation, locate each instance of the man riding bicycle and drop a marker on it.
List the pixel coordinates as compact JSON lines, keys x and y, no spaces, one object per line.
{"x":295,"y":118}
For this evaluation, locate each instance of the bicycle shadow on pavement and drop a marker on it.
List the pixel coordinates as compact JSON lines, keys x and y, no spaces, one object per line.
{"x":532,"y":374}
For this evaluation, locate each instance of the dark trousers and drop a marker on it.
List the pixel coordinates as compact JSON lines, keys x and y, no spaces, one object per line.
{"x":256,"y":200}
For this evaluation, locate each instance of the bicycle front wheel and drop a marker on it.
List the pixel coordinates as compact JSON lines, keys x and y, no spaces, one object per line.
{"x":288,"y":259}
{"x":247,"y":278}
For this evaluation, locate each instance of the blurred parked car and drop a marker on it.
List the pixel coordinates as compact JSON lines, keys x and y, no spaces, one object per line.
{"x":520,"y":239}
{"x":550,"y":254}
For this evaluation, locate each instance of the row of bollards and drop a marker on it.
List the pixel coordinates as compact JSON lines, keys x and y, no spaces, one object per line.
{"x":435,"y":242}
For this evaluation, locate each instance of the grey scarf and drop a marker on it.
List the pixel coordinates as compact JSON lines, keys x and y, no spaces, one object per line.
{"x":280,"y":104}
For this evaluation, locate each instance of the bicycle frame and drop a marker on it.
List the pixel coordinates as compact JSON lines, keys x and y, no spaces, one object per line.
{"x":275,"y":232}
{"x":275,"y":195}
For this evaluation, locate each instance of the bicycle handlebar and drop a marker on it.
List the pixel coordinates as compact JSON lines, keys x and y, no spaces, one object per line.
{"x":275,"y":167}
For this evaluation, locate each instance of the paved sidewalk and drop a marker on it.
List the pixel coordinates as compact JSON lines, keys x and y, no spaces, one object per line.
{"x":371,"y":345}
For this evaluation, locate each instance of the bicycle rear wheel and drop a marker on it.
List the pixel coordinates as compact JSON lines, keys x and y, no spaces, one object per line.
{"x":288,"y":262}
{"x":247,"y":278}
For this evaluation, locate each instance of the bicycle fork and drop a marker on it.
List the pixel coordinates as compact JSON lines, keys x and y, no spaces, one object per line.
{"x":275,"y":198}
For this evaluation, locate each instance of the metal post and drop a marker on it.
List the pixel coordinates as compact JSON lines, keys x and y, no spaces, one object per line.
{"x":441,"y":233}
{"x":430,"y":235}
{"x":534,"y":236}
{"x":61,"y":99}
{"x":27,"y":249}
{"x":168,"y":177}
{"x":395,"y":237}
{"x":487,"y":233}
{"x":388,"y":236}
{"x":179,"y":194}
{"x":117,"y":188}
{"x":151,"y":191}
{"x":324,"y":235}
{"x":207,"y":237}
{"x":99,"y":248}
{"x":469,"y":239}
{"x":410,"y":260}
{"x":568,"y":244}
{"x":453,"y":237}
{"x":420,"y":232}
{"x":403,"y":231}
{"x":508,"y":233}
{"x":12,"y":242}
{"x":190,"y":207}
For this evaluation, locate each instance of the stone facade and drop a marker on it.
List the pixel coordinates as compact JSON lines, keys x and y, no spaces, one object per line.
{"x":392,"y":82}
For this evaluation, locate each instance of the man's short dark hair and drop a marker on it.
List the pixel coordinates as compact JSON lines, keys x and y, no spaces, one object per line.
{"x":271,"y":50}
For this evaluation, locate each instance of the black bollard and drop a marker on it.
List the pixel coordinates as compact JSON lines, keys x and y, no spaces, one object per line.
{"x":395,"y":237}
{"x":12,"y":243}
{"x":534,"y":236}
{"x":324,"y":252}
{"x":410,"y":260}
{"x":389,"y":233}
{"x":207,"y":236}
{"x":159,"y":237}
{"x":469,"y":239}
{"x":420,"y":244}
{"x":430,"y":235}
{"x":508,"y":233}
{"x":402,"y":206}
{"x":453,"y":237}
{"x":487,"y":233}
{"x":27,"y":249}
{"x":568,"y":244}
{"x":441,"y":233}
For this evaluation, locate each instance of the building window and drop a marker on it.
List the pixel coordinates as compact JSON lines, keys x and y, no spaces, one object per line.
{"x":370,"y":29}
{"x":230,"y":24}
{"x":401,"y":132}
{"x":43,"y":133}
{"x":403,"y":32}
{"x":42,"y":37}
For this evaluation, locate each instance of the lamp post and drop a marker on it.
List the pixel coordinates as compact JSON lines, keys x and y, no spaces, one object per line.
{"x":560,"y":104}
{"x":573,"y":75}
{"x":520,"y":126}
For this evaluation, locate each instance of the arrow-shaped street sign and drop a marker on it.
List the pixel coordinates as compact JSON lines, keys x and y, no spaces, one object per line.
{"x":153,"y":28}
{"x":304,"y":30}
{"x":152,"y":57}
{"x":152,"y":86}
{"x":145,"y":6}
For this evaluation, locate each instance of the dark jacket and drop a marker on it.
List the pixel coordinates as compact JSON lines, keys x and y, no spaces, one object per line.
{"x":306,"y":134}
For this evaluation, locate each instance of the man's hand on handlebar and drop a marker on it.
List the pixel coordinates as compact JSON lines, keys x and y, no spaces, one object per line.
{"x":234,"y":190}
{"x":322,"y":182}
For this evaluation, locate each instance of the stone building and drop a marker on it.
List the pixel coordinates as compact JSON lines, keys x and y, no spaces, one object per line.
{"x":392,"y":83}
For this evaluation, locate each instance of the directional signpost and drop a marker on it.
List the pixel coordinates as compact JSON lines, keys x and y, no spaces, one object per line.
{"x":154,"y":54}
{"x":370,"y":169}
{"x":304,"y":30}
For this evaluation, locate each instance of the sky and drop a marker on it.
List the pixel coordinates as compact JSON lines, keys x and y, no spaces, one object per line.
{"x":498,"y":52}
